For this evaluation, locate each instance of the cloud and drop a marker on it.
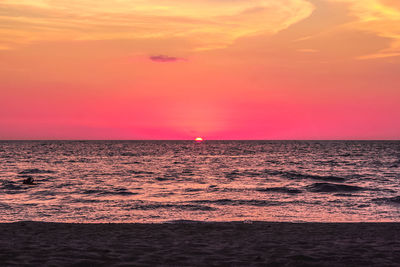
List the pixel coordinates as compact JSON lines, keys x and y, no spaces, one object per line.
{"x":380,"y":17}
{"x":208,"y":24}
{"x":164,"y":58}
{"x":200,"y":24}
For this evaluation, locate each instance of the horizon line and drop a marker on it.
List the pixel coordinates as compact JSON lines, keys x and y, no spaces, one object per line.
{"x":136,"y":140}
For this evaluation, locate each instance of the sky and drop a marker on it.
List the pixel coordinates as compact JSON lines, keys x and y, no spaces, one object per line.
{"x":219,"y":69}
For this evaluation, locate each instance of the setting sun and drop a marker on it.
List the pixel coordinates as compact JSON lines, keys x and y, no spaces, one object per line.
{"x":198,"y":139}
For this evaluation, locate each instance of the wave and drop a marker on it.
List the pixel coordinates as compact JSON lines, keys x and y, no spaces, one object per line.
{"x":189,"y":207}
{"x":184,"y":222}
{"x":5,"y":206}
{"x":164,"y":178}
{"x":82,"y":200}
{"x":80,"y":160}
{"x":247,"y":173}
{"x":10,"y":186}
{"x":129,"y":154}
{"x":131,"y":162}
{"x":35,"y":171}
{"x":140,"y":172}
{"x":118,"y":191}
{"x":395,"y":200}
{"x":346,"y":195}
{"x":297,"y":175}
{"x":187,"y":172}
{"x":46,"y":193}
{"x":239,"y":202}
{"x":287,"y":190}
{"x":193,"y":190}
{"x":330,"y":187}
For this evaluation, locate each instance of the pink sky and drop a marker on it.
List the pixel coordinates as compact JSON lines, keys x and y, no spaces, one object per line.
{"x":167,"y":69}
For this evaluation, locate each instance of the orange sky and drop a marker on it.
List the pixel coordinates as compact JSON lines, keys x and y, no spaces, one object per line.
{"x":221,"y":69}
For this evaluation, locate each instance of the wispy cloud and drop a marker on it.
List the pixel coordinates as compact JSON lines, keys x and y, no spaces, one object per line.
{"x":208,"y":24}
{"x":380,"y":17}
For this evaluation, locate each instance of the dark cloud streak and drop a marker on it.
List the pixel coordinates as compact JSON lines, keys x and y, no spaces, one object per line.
{"x":164,"y":58}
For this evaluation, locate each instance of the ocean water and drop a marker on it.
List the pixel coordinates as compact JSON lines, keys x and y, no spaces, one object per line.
{"x":162,"y":181}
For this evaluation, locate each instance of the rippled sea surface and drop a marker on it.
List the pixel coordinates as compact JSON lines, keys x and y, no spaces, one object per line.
{"x":159,"y":181}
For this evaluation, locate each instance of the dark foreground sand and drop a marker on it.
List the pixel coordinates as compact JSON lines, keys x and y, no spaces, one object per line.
{"x":205,"y":244}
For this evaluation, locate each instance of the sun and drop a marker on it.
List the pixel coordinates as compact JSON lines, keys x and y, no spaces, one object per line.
{"x":198,"y":139}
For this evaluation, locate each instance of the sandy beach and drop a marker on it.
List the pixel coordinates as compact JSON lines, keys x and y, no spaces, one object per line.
{"x":200,"y":244}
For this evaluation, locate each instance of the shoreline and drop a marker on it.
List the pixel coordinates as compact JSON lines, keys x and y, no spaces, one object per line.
{"x":200,"y":243}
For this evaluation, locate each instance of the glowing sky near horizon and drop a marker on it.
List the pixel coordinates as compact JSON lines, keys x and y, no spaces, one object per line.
{"x":220,"y":69}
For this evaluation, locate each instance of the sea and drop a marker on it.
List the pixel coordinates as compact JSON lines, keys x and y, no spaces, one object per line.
{"x":169,"y":181}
